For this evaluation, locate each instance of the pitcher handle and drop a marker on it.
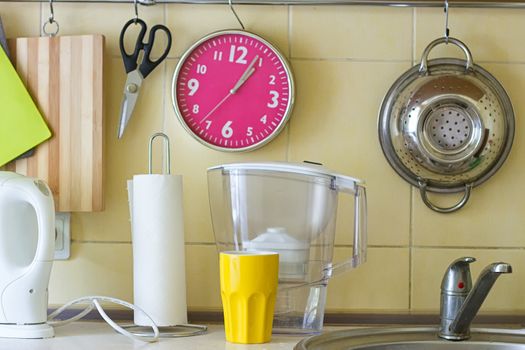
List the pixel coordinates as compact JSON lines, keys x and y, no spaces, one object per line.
{"x":360,"y":234}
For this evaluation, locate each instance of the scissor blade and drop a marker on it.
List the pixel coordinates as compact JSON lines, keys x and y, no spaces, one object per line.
{"x":131,"y":93}
{"x":125,"y":115}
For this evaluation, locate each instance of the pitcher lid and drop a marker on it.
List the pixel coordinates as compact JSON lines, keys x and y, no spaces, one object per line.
{"x":306,"y":168}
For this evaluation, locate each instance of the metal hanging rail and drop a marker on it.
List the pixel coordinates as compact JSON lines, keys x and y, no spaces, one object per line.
{"x":514,"y":4}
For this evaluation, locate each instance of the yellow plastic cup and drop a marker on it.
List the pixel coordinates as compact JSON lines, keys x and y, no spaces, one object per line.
{"x":248,"y":291}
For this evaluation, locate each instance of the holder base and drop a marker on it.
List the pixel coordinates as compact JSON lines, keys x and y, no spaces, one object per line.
{"x":26,"y":331}
{"x":185,"y":330}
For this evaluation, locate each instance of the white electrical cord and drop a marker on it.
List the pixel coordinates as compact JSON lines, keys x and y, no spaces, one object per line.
{"x":94,"y":302}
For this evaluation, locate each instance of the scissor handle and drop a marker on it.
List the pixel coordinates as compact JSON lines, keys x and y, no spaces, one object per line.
{"x":147,"y":64}
{"x":130,"y":60}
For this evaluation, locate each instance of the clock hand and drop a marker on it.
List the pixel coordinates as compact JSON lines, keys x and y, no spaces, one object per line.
{"x":244,"y":77}
{"x":216,"y":106}
{"x":247,"y":73}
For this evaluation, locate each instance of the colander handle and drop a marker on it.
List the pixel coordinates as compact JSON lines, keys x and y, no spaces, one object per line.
{"x":457,"y":206}
{"x":423,"y":67}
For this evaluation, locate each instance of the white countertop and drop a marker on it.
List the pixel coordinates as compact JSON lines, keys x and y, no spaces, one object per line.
{"x":100,"y":336}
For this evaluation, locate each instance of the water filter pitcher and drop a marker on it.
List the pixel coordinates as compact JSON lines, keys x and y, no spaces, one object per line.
{"x":289,"y":209}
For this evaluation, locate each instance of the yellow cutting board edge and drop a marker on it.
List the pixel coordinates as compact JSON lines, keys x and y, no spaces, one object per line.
{"x":22,"y":126}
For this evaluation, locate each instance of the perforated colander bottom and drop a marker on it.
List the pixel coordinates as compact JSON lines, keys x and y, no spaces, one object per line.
{"x":448,"y":128}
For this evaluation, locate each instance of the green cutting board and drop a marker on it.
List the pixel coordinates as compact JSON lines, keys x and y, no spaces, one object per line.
{"x":21,"y":125}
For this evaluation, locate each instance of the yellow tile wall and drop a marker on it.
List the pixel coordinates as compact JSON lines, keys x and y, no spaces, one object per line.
{"x":344,"y":58}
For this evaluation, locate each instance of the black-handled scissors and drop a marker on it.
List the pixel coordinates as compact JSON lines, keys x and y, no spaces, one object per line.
{"x":136,"y":72}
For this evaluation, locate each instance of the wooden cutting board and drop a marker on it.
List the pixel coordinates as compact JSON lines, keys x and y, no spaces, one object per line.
{"x":64,"y":76}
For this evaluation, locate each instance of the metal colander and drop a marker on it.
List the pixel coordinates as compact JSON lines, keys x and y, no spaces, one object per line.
{"x":446,"y":125}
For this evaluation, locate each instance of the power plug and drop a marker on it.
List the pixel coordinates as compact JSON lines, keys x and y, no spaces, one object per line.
{"x":62,"y":236}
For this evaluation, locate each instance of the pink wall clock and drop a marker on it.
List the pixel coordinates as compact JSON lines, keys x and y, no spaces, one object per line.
{"x":233,"y":91}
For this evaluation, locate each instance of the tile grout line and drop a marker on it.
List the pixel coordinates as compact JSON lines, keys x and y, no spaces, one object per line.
{"x":349,"y":59}
{"x":430,"y":247}
{"x":40,"y":24}
{"x":410,"y":249}
{"x":436,"y":247}
{"x":130,"y":242}
{"x":289,"y":126}
{"x":165,"y":69}
{"x":354,"y":60}
{"x":470,"y":247}
{"x":289,"y":32}
{"x":410,"y":198}
{"x":414,"y":19}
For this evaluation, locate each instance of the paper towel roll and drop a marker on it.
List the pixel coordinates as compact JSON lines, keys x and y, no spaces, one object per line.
{"x":159,"y":277}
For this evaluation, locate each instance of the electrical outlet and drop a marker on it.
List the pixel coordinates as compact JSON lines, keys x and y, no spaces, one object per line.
{"x":62,"y":236}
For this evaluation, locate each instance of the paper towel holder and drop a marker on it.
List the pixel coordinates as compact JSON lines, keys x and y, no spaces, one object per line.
{"x":165,"y":331}
{"x":165,"y":155}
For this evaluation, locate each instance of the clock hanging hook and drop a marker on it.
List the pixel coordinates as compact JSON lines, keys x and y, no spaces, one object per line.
{"x":447,"y":30}
{"x":136,"y":7}
{"x":51,"y":20}
{"x":235,"y":14}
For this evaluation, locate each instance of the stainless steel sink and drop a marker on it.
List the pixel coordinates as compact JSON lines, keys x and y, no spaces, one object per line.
{"x":416,"y":338}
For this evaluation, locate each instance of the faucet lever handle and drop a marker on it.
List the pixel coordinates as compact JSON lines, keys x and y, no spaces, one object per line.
{"x":457,"y":278}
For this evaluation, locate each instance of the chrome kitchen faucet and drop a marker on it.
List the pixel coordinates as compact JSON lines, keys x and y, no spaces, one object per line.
{"x":460,"y":301}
